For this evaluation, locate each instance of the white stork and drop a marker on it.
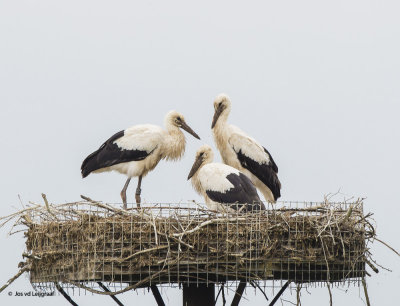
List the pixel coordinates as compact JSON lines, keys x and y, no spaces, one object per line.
{"x":138,"y":149}
{"x":243,"y":152}
{"x":224,"y":188}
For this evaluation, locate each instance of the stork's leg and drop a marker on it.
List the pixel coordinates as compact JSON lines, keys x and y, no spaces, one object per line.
{"x":123,"y":192}
{"x":138,"y":191}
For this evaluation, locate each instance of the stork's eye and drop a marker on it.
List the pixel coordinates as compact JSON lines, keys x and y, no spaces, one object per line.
{"x":201,"y":154}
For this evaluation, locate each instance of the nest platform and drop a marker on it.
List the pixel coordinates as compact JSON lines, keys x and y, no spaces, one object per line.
{"x":82,"y":243}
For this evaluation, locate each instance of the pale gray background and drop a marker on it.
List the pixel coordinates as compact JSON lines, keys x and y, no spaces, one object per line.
{"x":316,"y":82}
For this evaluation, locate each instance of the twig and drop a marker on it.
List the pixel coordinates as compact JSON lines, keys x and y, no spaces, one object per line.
{"x":20,"y":201}
{"x":238,"y":293}
{"x":349,"y":213}
{"x":326,"y":260}
{"x":143,"y":251}
{"x":99,"y":204}
{"x":48,"y":206}
{"x":46,"y":202}
{"x":277,"y":296}
{"x":219,"y":292}
{"x":88,"y":199}
{"x":330,"y":293}
{"x":287,"y":301}
{"x":384,"y":243}
{"x":12,"y":279}
{"x":255,"y":284}
{"x":380,"y":266}
{"x":154,"y":227}
{"x":223,"y":295}
{"x":112,"y":296}
{"x":16,"y":214}
{"x":366,"y":292}
{"x":134,"y":286}
{"x":298,"y":288}
{"x":205,"y":223}
{"x":375,"y":269}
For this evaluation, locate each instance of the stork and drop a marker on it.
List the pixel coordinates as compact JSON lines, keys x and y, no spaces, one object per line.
{"x":243,"y":152}
{"x":138,"y":149}
{"x":224,"y":188}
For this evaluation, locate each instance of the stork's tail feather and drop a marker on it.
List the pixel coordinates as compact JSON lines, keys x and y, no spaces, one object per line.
{"x":277,"y":193}
{"x":85,"y":173}
{"x":89,"y":165}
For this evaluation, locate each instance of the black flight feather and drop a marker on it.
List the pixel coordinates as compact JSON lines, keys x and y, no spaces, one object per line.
{"x":264,"y":172}
{"x":242,"y":193}
{"x":272,"y":162}
{"x":110,"y":154}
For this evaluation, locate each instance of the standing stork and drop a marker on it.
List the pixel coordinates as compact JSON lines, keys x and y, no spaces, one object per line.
{"x":138,"y":149}
{"x":223,"y":187}
{"x":243,"y":152}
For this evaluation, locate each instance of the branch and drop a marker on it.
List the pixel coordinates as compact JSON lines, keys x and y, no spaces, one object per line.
{"x":384,"y":243}
{"x":366,"y":292}
{"x":330,"y":293}
{"x":12,"y":279}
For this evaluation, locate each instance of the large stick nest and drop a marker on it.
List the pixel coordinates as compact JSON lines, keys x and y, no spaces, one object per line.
{"x":90,"y":241}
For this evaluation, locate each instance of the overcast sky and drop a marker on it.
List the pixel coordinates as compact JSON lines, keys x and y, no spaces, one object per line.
{"x":315,"y":82}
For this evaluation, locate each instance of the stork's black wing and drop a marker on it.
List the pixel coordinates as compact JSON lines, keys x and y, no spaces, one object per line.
{"x":271,"y":161}
{"x":257,"y":160}
{"x":110,"y":154}
{"x":242,"y":193}
{"x":265,"y":172}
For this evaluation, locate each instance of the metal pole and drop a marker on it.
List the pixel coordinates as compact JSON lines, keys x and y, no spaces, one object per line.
{"x":67,"y":297}
{"x":157,"y":295}
{"x":112,"y":296}
{"x":238,"y":293}
{"x":280,"y":293}
{"x":199,"y":295}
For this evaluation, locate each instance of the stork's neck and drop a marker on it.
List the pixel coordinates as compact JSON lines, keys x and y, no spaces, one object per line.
{"x":196,"y":182}
{"x":174,"y":143}
{"x":221,"y":131}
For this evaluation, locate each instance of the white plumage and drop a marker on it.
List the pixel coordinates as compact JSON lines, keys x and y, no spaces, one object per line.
{"x":224,"y":188}
{"x":144,"y":138}
{"x":243,"y":152}
{"x":138,"y":149}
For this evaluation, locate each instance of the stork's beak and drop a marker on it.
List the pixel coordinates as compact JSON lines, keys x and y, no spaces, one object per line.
{"x":189,"y":130}
{"x":195,"y":167}
{"x":217,"y":113}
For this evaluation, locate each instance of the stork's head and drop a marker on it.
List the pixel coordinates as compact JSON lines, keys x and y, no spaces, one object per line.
{"x":204,"y":155}
{"x":222,"y":108}
{"x":176,"y":120}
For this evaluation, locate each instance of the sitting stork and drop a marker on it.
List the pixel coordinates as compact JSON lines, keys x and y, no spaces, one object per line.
{"x":243,"y":152}
{"x":138,"y":149}
{"x":224,"y":188}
